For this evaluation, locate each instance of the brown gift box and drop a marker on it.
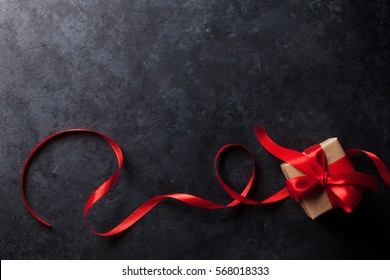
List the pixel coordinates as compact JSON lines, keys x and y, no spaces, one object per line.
{"x":318,"y":203}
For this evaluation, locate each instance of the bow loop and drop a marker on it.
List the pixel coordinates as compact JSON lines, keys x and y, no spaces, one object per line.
{"x":302,"y":186}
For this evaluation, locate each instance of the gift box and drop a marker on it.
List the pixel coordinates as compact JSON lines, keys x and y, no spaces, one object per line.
{"x":318,"y":202}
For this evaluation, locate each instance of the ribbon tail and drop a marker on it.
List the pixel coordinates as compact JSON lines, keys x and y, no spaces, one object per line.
{"x":300,"y":161}
{"x":280,"y":195}
{"x":97,"y":194}
{"x":354,"y":178}
{"x":347,"y":197}
{"x":379,"y":164}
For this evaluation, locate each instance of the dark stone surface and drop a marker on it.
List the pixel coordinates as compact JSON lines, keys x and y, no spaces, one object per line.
{"x":172,"y":81}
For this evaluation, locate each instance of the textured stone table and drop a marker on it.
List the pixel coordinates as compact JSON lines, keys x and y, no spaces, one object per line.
{"x":172,"y":81}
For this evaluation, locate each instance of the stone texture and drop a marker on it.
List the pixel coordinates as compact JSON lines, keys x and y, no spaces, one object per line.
{"x":172,"y":81}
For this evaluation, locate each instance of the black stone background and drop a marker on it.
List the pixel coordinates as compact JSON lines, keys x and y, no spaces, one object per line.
{"x":171,"y":82}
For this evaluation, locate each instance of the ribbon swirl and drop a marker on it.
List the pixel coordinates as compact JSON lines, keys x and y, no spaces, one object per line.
{"x":339,"y":179}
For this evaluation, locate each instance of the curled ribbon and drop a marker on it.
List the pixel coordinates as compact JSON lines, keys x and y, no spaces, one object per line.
{"x":339,"y":181}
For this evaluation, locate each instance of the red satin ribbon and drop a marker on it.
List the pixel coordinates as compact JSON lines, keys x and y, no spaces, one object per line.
{"x":148,"y":205}
{"x":341,"y":188}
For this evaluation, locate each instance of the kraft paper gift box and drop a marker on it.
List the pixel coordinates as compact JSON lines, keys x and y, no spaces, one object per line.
{"x":318,"y":203}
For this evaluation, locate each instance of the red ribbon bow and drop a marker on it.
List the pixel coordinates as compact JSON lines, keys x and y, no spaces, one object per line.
{"x":341,"y":182}
{"x":339,"y":179}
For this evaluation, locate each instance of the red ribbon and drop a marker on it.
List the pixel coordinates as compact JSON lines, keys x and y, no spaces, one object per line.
{"x":339,"y":182}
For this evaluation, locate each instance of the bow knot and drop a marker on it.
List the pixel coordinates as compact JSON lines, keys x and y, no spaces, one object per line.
{"x":324,"y":179}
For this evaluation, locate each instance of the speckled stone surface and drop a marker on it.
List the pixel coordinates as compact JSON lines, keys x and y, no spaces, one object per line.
{"x":171,"y":82}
